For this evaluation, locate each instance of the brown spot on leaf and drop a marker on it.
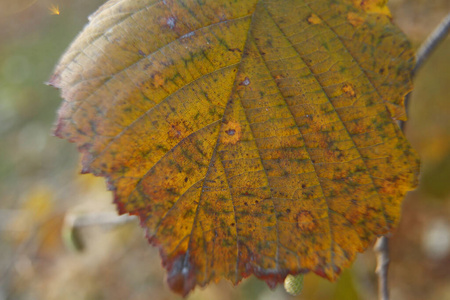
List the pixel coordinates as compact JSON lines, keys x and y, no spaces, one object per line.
{"x":158,"y":80}
{"x":388,"y":187}
{"x":233,"y":133}
{"x":305,"y":221}
{"x":348,"y":90}
{"x":178,"y":130}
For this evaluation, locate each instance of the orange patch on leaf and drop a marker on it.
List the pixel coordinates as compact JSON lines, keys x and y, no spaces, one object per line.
{"x":348,"y":89}
{"x":355,"y":19}
{"x":373,"y":6}
{"x":314,"y":19}
{"x":158,"y":80}
{"x":232,"y":132}
{"x":305,"y":221}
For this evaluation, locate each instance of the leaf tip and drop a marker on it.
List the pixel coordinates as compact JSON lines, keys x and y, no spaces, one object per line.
{"x":180,"y":276}
{"x":54,"y":81}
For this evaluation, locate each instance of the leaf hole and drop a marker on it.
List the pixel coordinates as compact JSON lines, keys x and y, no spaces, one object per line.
{"x":246,"y":81}
{"x":231,"y":132}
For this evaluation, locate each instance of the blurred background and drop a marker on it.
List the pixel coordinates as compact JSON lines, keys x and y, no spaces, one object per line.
{"x":40,"y":183}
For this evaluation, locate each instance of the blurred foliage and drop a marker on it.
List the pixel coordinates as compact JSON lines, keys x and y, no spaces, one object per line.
{"x":39,"y":182}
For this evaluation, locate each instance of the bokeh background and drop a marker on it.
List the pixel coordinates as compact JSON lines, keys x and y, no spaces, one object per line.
{"x":40,"y":186}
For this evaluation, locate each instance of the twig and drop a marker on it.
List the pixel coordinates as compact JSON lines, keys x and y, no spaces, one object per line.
{"x":432,"y":42}
{"x":97,"y":219}
{"x":424,"y":52}
{"x":381,"y":247}
{"x":382,"y":251}
{"x":73,"y":222}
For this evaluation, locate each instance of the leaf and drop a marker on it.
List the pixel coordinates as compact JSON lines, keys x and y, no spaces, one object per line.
{"x":250,"y":137}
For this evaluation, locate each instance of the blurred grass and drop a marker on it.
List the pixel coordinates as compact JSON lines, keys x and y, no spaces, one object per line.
{"x":39,"y":183}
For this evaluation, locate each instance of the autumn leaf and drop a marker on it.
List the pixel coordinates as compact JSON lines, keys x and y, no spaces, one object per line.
{"x":250,"y":137}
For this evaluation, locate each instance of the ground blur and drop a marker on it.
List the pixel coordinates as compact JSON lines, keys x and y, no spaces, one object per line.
{"x":40,"y":183}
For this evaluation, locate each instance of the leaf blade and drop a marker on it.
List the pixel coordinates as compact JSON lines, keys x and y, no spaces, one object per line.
{"x":251,"y":137}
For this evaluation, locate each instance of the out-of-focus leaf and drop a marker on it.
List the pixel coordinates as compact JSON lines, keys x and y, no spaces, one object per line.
{"x":250,"y":137}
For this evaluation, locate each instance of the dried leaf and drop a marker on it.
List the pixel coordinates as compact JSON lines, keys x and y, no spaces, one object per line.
{"x":250,"y":137}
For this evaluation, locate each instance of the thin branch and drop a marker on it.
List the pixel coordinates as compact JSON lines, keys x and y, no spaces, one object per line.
{"x":432,"y":42}
{"x":97,"y":219}
{"x":382,"y":251}
{"x":424,"y":52}
{"x":381,"y":247}
{"x":73,"y":222}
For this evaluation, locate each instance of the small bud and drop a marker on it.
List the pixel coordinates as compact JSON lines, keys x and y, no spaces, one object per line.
{"x":293,"y":284}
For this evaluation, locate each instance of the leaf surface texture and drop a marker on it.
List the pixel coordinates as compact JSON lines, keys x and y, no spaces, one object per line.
{"x":250,"y":137}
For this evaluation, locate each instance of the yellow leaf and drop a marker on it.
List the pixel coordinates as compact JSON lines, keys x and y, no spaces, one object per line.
{"x":250,"y":137}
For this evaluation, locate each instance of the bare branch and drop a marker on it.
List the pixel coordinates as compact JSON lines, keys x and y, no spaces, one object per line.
{"x":381,"y":247}
{"x":424,"y":52}
{"x":432,"y":42}
{"x":73,"y":222}
{"x":382,"y":251}
{"x":104,"y":218}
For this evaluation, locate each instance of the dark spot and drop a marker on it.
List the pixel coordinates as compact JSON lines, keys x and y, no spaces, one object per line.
{"x":232,"y":224}
{"x":288,"y":210}
{"x":186,"y":179}
{"x":303,"y":186}
{"x":245,"y":203}
{"x":141,"y":52}
{"x":231,"y":132}
{"x":180,"y":275}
